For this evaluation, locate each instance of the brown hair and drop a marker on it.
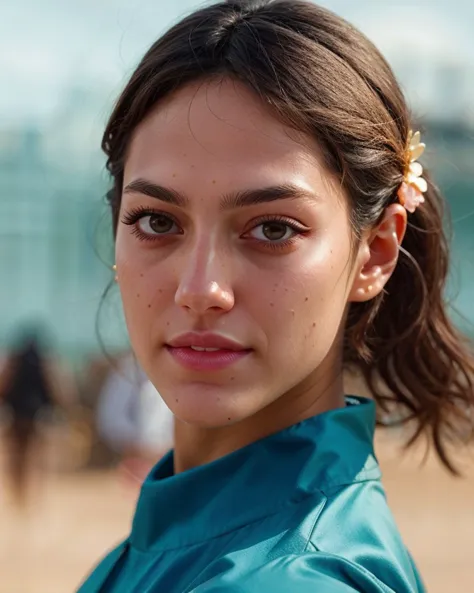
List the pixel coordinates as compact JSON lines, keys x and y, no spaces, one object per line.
{"x":325,"y":78}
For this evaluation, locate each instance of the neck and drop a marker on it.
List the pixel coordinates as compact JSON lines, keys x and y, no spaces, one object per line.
{"x":196,"y":446}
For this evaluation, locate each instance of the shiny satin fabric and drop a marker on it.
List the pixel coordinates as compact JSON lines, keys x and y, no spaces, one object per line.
{"x":301,"y":511}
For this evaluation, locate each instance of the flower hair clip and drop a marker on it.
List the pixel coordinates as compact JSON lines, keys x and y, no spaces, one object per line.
{"x":410,"y":193}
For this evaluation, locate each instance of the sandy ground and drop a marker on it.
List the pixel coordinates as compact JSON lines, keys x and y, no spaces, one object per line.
{"x":75,"y":518}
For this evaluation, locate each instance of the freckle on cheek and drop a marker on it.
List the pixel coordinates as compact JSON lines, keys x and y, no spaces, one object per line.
{"x":314,"y":324}
{"x":160,"y":291}
{"x":306,"y":299}
{"x":149,"y":306}
{"x":138,"y":295}
{"x":141,"y":275}
{"x":232,"y":378}
{"x":272,"y":304}
{"x":167,"y":323}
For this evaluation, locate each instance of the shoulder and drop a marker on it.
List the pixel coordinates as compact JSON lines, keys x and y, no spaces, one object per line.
{"x":304,"y":573}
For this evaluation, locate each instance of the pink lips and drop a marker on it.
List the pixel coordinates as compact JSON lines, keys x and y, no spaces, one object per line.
{"x":203,"y":351}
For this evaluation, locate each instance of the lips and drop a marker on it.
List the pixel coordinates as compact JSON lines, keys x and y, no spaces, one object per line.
{"x":205,"y":340}
{"x":204,"y":351}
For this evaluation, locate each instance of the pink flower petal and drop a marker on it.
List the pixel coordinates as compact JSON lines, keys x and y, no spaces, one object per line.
{"x":410,"y":197}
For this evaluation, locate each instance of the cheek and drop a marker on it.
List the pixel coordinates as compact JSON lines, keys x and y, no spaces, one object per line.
{"x":142,"y":276}
{"x":307,"y":302}
{"x":145,"y":299}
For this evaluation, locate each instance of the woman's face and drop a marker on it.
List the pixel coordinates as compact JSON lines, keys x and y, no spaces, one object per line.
{"x":232,"y":237}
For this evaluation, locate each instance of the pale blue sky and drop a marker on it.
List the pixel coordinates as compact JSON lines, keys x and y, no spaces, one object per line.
{"x":46,"y":46}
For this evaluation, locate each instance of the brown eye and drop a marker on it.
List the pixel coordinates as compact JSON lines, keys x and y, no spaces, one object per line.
{"x":160,"y":223}
{"x":274,"y":231}
{"x":157,"y":224}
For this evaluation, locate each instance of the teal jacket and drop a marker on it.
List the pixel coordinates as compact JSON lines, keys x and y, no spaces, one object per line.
{"x":300,"y":511}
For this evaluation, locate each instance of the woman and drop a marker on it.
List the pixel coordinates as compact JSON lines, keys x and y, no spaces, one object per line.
{"x":272,"y":227}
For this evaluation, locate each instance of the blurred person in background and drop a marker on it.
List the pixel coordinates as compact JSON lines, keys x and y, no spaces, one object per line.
{"x":31,"y":391}
{"x":273,"y":226}
{"x":156,"y":422}
{"x":133,"y":420}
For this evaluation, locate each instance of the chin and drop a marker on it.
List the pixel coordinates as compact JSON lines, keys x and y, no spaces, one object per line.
{"x":209,"y":406}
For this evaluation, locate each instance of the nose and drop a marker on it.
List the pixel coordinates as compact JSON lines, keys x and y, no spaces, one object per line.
{"x":203,"y":284}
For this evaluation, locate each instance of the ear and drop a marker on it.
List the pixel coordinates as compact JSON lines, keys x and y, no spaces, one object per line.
{"x":378,"y":255}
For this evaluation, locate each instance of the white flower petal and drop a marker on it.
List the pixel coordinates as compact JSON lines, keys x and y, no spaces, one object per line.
{"x":416,"y":152}
{"x":415,"y":139}
{"x":421,"y":184}
{"x":416,"y":169}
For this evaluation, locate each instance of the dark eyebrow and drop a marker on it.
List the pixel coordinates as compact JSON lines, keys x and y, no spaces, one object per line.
{"x":252,"y":197}
{"x":142,"y":186}
{"x":240,"y":199}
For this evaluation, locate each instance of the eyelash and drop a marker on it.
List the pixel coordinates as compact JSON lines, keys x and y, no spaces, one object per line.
{"x":133,"y":216}
{"x":297,"y":228}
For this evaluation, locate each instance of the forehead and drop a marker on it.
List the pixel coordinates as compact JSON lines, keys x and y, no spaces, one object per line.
{"x":222,"y":129}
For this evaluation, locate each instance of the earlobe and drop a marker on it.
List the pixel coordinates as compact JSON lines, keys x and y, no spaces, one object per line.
{"x":379,"y":255}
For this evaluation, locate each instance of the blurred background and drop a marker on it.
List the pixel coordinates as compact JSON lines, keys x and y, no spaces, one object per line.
{"x":71,"y":495}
